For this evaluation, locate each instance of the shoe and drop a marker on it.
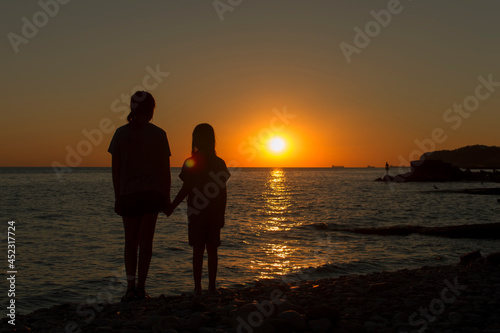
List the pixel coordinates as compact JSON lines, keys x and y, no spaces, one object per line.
{"x":130,"y":295}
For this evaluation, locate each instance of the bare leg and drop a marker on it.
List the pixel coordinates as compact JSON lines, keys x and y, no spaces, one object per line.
{"x":145,"y":236}
{"x":198,"y":252}
{"x":131,"y":226}
{"x":212,"y":267}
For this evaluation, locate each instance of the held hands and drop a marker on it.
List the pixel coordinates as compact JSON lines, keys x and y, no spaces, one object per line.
{"x":178,"y":199}
{"x":169,"y":208}
{"x":168,"y":211}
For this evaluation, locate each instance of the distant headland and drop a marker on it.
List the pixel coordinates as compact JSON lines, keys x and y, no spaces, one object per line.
{"x":469,"y":157}
{"x":454,"y":165}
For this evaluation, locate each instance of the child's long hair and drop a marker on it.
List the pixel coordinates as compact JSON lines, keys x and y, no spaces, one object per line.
{"x":203,"y":139}
{"x":141,"y":102}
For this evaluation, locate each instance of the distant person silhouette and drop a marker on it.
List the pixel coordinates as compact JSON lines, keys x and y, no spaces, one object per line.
{"x":386,"y":168}
{"x":141,"y":181}
{"x":204,"y":177}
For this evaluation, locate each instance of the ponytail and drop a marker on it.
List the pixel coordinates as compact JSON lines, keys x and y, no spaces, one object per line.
{"x":141,"y":102}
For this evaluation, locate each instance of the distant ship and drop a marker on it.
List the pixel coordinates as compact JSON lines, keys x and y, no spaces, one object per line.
{"x":337,"y":166}
{"x":370,"y":166}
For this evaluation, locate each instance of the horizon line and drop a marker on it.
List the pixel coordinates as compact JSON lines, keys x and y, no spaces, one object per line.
{"x":232,"y":167}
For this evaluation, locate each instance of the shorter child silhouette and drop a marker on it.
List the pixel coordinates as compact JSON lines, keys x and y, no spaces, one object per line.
{"x":204,"y":177}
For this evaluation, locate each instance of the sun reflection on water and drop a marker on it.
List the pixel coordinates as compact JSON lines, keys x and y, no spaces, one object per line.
{"x":284,"y":251}
{"x":277,"y":202}
{"x":278,"y":209}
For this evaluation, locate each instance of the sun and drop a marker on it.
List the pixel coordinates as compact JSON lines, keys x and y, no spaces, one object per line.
{"x":277,"y":145}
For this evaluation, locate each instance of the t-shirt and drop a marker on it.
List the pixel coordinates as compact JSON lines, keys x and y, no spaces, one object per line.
{"x":206,"y":176}
{"x":143,"y":151}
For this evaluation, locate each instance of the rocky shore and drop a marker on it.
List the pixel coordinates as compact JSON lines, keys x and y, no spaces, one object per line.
{"x":456,"y":298}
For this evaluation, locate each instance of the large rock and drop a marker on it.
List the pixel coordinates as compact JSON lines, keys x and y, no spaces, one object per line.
{"x":469,"y":257}
{"x":469,"y":157}
{"x":426,"y":170}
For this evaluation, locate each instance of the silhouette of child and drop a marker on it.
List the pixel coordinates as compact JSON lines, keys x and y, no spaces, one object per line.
{"x":141,"y":181}
{"x":204,"y":177}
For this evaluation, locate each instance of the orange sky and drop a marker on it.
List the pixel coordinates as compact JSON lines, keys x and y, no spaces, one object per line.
{"x":265,"y":70}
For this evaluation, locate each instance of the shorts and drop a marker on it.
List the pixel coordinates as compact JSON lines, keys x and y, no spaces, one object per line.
{"x":140,"y":203}
{"x":202,"y":233}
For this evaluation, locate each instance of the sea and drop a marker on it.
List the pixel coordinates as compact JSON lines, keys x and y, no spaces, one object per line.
{"x":282,"y":224}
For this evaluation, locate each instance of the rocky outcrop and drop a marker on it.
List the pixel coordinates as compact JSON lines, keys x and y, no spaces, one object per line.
{"x":469,"y":157}
{"x":428,"y":171}
{"x":453,"y":165}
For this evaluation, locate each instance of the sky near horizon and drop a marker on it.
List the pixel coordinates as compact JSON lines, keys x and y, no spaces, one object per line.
{"x":351,"y":83}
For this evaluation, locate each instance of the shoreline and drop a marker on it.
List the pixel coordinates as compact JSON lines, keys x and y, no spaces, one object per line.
{"x":455,"y":298}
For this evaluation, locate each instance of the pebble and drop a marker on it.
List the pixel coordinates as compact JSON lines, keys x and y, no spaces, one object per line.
{"x":372,"y":326}
{"x":294,"y":319}
{"x":319,"y":325}
{"x":196,"y":321}
{"x":151,"y":321}
{"x":381,"y":286}
{"x":455,"y":318}
{"x":377,"y":302}
{"x":322,"y":311}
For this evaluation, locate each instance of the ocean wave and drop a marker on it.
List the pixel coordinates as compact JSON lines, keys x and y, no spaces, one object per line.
{"x":332,"y":270}
{"x":474,"y":231}
{"x":49,"y":216}
{"x":323,"y":226}
{"x":174,"y":249}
